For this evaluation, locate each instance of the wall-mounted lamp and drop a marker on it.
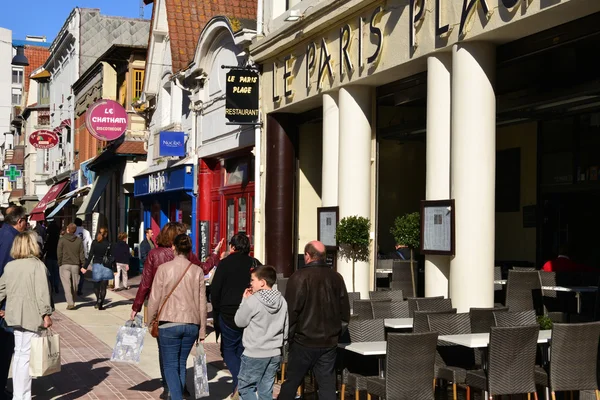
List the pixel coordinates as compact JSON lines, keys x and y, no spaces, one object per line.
{"x":20,"y":60}
{"x":295,"y":15}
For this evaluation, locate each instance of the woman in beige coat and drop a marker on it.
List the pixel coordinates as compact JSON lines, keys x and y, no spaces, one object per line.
{"x":182,"y":320}
{"x":24,"y":285}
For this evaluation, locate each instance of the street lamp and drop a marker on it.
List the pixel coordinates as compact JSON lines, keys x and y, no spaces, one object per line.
{"x":20,"y":60}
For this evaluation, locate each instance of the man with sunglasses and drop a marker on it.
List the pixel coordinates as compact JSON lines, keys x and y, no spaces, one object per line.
{"x":15,"y":222}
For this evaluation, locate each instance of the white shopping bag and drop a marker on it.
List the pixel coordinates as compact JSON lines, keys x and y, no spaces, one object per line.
{"x":130,"y":342}
{"x":200,"y":373}
{"x":44,"y":358}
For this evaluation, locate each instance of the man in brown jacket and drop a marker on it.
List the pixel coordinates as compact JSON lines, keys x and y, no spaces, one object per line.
{"x":71,"y":256}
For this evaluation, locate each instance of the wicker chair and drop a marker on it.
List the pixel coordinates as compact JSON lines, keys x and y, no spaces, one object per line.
{"x":394,"y":295}
{"x":412,"y":303}
{"x":372,"y":330}
{"x":482,"y":319}
{"x":362,"y":309}
{"x":452,"y":361}
{"x":352,"y":296}
{"x":523,"y":290}
{"x":402,"y":278}
{"x":522,"y":318}
{"x":573,"y":360}
{"x":409,"y":368}
{"x":523,"y":269}
{"x":420,"y":323}
{"x":428,"y":304}
{"x":511,"y":364}
{"x":390,"y":309}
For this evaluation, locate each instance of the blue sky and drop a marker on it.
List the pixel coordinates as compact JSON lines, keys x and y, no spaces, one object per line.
{"x":46,"y":17}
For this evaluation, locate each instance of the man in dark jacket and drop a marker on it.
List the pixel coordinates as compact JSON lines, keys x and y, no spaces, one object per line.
{"x":15,"y":222}
{"x":146,"y":245}
{"x":318,"y":305}
{"x":231,"y":279}
{"x":71,"y":257}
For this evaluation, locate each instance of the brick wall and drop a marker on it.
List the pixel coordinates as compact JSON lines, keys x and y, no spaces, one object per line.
{"x":36,"y":56}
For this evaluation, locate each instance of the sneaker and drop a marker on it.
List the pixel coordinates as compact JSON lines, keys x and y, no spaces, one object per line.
{"x":71,"y":307}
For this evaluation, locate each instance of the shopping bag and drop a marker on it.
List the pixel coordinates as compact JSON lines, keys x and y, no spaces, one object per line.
{"x":44,"y":358}
{"x":130,"y":342}
{"x":200,"y":372}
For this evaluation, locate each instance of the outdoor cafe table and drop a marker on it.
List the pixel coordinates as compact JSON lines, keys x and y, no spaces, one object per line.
{"x":398,"y":323}
{"x":569,"y":289}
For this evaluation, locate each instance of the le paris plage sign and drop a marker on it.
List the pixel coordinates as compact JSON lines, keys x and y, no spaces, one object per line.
{"x":241,"y":99}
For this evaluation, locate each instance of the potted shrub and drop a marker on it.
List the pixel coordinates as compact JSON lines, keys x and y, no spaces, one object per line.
{"x":353,"y":237}
{"x":407,"y":231}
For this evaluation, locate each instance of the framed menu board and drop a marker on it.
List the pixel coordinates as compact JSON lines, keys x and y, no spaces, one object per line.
{"x":327,"y":222}
{"x":437,"y":227}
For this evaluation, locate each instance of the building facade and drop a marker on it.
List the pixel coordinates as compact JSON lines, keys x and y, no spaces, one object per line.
{"x":396,"y":103}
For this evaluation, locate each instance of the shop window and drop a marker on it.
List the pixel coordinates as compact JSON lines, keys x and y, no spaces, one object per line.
{"x":138,"y":84}
{"x":237,"y":174}
{"x":230,"y":218}
{"x":242,"y":207}
{"x":508,"y":180}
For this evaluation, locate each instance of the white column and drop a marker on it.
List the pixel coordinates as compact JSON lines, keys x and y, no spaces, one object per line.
{"x":331,"y":142}
{"x":354,"y":193}
{"x":473,"y":174}
{"x":437,"y":187}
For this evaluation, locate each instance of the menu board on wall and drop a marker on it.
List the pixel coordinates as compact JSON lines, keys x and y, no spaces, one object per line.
{"x":204,"y":247}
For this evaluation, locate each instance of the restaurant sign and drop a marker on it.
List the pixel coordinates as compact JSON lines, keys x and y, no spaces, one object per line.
{"x":43,"y":139}
{"x":241,"y":99}
{"x":106,"y":120}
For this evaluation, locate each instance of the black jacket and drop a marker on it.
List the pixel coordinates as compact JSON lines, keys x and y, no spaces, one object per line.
{"x":317,"y":305}
{"x":231,"y":279}
{"x":120,"y":252}
{"x":97,"y":252}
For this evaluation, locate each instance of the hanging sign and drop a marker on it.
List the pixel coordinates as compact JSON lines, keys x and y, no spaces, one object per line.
{"x":171,"y":144}
{"x":43,"y":139}
{"x":106,"y":120}
{"x":241,"y":100}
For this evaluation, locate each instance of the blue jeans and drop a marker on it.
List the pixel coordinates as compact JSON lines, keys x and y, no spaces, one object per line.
{"x":175,"y":345}
{"x":257,"y":376}
{"x":233,"y":348}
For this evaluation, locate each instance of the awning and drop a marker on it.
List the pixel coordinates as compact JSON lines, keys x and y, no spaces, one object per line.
{"x":57,"y":209}
{"x":94,"y":195}
{"x":70,"y":195}
{"x":37,"y":214}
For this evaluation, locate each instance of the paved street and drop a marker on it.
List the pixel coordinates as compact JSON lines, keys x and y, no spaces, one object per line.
{"x":87,"y":337}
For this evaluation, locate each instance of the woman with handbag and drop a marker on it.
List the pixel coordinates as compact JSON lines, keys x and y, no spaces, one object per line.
{"x":102,"y":261}
{"x":177,"y":307}
{"x":25,"y":287}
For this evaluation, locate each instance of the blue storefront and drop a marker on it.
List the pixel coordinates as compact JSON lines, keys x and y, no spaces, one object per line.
{"x":167,"y":193}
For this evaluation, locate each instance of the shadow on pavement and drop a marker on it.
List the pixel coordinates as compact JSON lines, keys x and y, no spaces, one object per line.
{"x":75,"y":381}
{"x":148,"y":386}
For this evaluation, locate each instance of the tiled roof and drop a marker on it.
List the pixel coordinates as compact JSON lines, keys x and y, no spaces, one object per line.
{"x":187,"y":18}
{"x":131,"y":147}
{"x":36,"y":56}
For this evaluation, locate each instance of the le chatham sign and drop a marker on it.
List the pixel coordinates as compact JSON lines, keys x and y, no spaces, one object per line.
{"x":355,"y":48}
{"x":241,"y":96}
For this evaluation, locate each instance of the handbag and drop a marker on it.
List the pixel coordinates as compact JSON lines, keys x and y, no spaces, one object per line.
{"x":108,"y":260}
{"x":154,"y":322}
{"x":44,"y":356}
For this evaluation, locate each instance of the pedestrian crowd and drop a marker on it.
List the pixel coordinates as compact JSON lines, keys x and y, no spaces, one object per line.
{"x":254,"y":321}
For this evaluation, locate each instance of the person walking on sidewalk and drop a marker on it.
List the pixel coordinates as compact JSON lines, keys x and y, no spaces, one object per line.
{"x":315,"y":326}
{"x":51,"y":256}
{"x":228,"y":285}
{"x":264,"y":316}
{"x":121,"y":253}
{"x":15,"y":222}
{"x":158,"y":256}
{"x":178,"y":301}
{"x":85,"y":236}
{"x":146,"y":245}
{"x":100,"y":273}
{"x":71,"y":258}
{"x":24,"y":285}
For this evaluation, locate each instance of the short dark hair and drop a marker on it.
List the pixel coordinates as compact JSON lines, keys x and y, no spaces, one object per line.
{"x":183,"y":244}
{"x":147,"y":229}
{"x":314,"y":253}
{"x":15,"y":215}
{"x":78,"y":222}
{"x":240,"y":242}
{"x":267,"y":273}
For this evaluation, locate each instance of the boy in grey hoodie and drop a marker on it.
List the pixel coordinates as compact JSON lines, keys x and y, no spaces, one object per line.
{"x":264,"y":315}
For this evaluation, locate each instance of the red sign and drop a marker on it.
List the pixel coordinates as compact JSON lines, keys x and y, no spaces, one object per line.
{"x":43,"y":139}
{"x":106,"y":120}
